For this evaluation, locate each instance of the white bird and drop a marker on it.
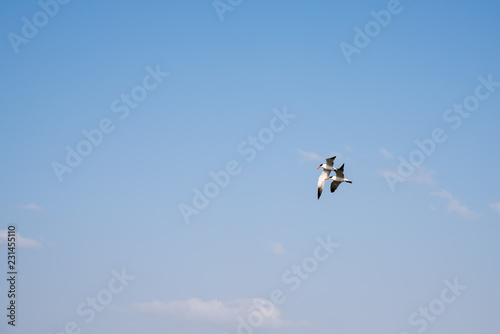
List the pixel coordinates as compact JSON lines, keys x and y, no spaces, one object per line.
{"x":337,"y":179}
{"x":327,"y":168}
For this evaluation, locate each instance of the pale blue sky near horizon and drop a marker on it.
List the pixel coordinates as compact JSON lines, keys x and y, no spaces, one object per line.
{"x":119,"y":208}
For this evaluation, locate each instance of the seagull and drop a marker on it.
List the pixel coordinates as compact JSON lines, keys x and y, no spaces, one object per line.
{"x":337,"y":179}
{"x":329,"y":164}
{"x":327,"y":168}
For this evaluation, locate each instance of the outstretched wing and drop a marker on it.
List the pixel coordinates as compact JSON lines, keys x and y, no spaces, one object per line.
{"x":329,"y":162}
{"x":334,"y":186}
{"x":340,"y":172}
{"x":321,"y":181}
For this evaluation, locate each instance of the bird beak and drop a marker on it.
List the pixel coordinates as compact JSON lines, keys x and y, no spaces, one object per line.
{"x":318,"y":167}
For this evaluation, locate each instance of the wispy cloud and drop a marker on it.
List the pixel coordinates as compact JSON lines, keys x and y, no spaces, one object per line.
{"x":426,"y":176}
{"x":388,"y":155}
{"x":30,"y":207}
{"x":421,"y":175}
{"x":277,"y":248}
{"x":455,"y":206}
{"x":311,"y":156}
{"x":496,"y":206}
{"x":214,"y":312}
{"x":20,"y":241}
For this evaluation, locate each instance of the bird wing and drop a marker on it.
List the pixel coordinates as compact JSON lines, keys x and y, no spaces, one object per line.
{"x":334,"y":186}
{"x":329,"y":162}
{"x":321,"y":181}
{"x":340,"y":172}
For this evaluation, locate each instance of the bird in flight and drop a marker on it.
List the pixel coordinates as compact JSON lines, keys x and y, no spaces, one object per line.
{"x":337,"y":179}
{"x":327,"y":168}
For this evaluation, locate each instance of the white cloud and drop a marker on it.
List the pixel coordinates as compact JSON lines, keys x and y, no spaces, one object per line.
{"x":455,"y":206}
{"x":496,"y":206}
{"x":20,"y":241}
{"x":386,"y":154}
{"x":30,"y":207}
{"x":312,"y":156}
{"x":421,"y":175}
{"x":215,"y":312}
{"x":277,"y":248}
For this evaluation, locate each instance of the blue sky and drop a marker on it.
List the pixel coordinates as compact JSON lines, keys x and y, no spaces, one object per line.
{"x":178,"y":91}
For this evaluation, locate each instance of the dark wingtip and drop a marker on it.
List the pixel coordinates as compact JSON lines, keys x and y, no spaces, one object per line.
{"x":342,"y":167}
